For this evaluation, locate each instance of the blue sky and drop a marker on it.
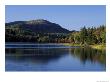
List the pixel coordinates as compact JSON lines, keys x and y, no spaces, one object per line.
{"x":71,"y":17}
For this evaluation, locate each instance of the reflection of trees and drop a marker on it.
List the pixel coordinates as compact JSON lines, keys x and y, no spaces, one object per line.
{"x":89,"y":54}
{"x":39,"y":55}
{"x":44,"y":55}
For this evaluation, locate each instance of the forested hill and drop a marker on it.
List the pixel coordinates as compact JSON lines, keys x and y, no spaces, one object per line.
{"x":43,"y":31}
{"x":39,"y":26}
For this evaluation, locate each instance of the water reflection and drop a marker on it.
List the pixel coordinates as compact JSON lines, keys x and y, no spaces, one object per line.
{"x":41,"y":55}
{"x":45,"y":55}
{"x":51,"y":58}
{"x":89,"y":54}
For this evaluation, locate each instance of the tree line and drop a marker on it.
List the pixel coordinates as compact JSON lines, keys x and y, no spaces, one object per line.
{"x":92,"y":35}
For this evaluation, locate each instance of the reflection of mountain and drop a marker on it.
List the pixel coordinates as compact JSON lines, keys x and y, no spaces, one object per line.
{"x":43,"y":55}
{"x":89,"y":54}
{"x":35,"y":55}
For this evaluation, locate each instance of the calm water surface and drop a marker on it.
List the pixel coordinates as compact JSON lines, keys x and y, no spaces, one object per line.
{"x":53,"y":57}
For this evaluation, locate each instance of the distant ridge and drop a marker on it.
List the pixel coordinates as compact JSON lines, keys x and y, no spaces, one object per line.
{"x":39,"y":25}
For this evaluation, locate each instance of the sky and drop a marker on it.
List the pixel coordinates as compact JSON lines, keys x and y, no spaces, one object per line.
{"x":71,"y":17}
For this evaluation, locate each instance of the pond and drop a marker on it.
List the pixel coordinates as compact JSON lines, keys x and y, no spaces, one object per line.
{"x":53,"y":57}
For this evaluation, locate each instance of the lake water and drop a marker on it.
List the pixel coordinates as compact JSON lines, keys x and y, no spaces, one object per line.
{"x":53,"y":57}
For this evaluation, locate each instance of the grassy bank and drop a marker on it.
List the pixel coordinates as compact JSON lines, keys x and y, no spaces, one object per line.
{"x":95,"y":46}
{"x":71,"y":44}
{"x":98,"y":46}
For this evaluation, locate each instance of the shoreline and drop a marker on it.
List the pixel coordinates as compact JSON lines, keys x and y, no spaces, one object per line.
{"x":94,"y":46}
{"x":99,"y":46}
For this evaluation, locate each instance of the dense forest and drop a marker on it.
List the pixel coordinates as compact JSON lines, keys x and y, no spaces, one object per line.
{"x":43,"y":31}
{"x":93,"y":35}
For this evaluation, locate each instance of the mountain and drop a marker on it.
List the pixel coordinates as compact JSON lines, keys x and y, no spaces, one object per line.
{"x":39,"y":26}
